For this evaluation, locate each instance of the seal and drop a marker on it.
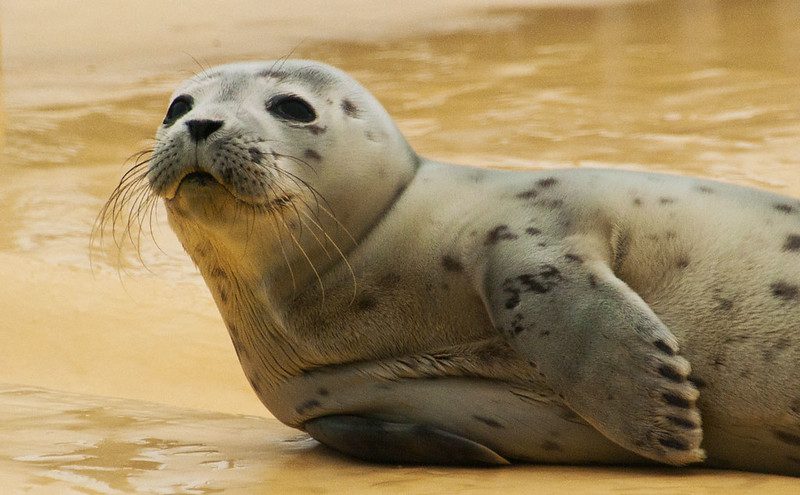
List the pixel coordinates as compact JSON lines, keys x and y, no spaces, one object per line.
{"x":404,"y":310}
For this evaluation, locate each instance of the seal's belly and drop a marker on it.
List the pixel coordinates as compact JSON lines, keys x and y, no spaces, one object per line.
{"x":515,"y":422}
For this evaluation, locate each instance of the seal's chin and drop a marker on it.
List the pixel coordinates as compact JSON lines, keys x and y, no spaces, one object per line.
{"x":201,"y":196}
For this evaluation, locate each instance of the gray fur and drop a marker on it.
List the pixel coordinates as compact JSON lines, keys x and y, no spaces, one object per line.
{"x":582,"y":316}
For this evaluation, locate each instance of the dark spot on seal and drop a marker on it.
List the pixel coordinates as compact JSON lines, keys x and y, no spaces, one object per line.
{"x":792,"y":243}
{"x":592,"y":281}
{"x":573,"y":258}
{"x":307,"y":405}
{"x":323,"y":391}
{"x":788,"y":438}
{"x":312,"y":155}
{"x":676,"y":400}
{"x":349,"y":108}
{"x":366,"y":302}
{"x":451,"y":264}
{"x":547,"y":182}
{"x":516,"y":324}
{"x":316,"y":129}
{"x":664,"y":347}
{"x":670,"y":373}
{"x":637,"y":201}
{"x":784,"y":291}
{"x":780,"y":345}
{"x":673,"y":443}
{"x":704,"y":189}
{"x":255,"y":154}
{"x":550,"y":446}
{"x":544,"y":333}
{"x":724,"y":304}
{"x":223,"y":295}
{"x":513,"y":297}
{"x":670,"y":234}
{"x":682,"y":262}
{"x":529,"y":194}
{"x":540,"y":283}
{"x":783,"y":207}
{"x":532,"y":231}
{"x":487,"y":421}
{"x":499,"y":233}
{"x":666,"y":201}
{"x":678,"y":421}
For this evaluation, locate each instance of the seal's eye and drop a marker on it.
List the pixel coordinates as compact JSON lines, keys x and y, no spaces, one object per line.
{"x":292,"y":108}
{"x":180,"y":106}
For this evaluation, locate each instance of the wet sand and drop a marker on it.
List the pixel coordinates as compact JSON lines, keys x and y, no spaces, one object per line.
{"x":100,"y":445}
{"x":691,"y":87}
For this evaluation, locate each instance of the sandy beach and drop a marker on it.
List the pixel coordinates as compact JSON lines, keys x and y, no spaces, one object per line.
{"x":119,"y":376}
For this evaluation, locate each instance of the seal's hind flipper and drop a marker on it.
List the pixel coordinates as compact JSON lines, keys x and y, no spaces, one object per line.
{"x":398,"y":443}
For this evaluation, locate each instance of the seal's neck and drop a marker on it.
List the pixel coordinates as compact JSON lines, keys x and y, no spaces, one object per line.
{"x":265,"y":348}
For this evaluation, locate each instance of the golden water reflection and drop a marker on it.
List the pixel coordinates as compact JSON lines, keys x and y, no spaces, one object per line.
{"x":700,"y":87}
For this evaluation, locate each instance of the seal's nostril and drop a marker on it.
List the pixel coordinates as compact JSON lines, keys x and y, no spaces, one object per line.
{"x":201,"y":129}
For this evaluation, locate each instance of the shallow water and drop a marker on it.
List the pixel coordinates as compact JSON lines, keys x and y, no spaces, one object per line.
{"x":701,"y":87}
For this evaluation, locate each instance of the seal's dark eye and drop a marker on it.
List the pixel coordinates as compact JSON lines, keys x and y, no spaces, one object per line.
{"x":180,"y":106}
{"x":292,"y":108}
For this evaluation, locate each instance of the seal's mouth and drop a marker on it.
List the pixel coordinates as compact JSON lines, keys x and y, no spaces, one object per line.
{"x":195,"y":179}
{"x":198,"y":178}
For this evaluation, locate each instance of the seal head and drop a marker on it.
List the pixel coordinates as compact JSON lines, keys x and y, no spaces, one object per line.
{"x":267,"y":137}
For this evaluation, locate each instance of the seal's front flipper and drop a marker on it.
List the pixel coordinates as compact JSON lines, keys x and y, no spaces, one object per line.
{"x":600,"y":347}
{"x":398,"y":443}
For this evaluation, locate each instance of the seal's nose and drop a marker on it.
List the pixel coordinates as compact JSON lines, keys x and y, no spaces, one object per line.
{"x":201,"y":129}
